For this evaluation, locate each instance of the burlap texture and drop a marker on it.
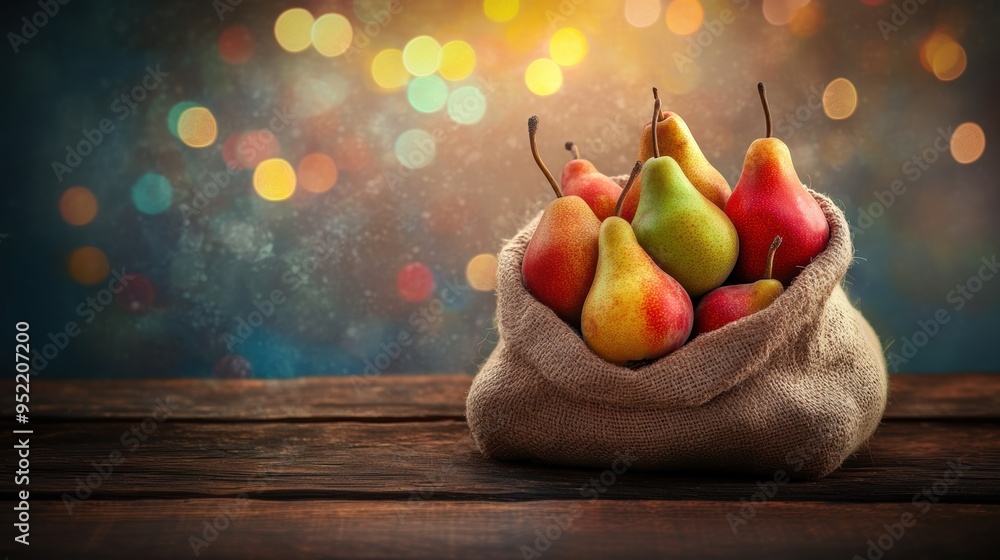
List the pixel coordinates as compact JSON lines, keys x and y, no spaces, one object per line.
{"x":798,"y":386}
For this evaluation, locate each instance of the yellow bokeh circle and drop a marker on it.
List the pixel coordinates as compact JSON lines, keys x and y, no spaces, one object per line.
{"x":840,"y":99}
{"x":458,"y":60}
{"x":568,"y":47}
{"x":388,"y":70}
{"x":481,"y":272}
{"x":293,"y":29}
{"x":274,"y":179}
{"x":501,"y":10}
{"x":422,"y":55}
{"x":197,"y":128}
{"x":543,"y":77}
{"x":332,"y":35}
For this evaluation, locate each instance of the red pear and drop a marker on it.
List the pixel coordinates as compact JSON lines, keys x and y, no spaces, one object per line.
{"x":560,"y":260}
{"x":726,"y":304}
{"x":581,"y":178}
{"x":771,"y":200}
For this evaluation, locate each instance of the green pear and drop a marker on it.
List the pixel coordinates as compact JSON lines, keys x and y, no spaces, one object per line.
{"x":687,"y":235}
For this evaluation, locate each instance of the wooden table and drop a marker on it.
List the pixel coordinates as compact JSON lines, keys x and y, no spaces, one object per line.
{"x":324,"y":468}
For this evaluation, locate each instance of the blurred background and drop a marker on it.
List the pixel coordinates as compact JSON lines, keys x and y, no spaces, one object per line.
{"x":281,"y":189}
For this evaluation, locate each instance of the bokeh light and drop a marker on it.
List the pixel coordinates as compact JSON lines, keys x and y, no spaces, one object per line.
{"x":807,"y":21}
{"x":88,"y":265}
{"x":458,"y":60}
{"x":415,"y":148}
{"x":500,"y":10}
{"x":332,"y":34}
{"x":642,"y":13}
{"x":78,"y":206}
{"x":568,"y":47}
{"x":481,"y":272}
{"x":949,"y":61}
{"x":174,"y":115}
{"x":317,"y":172}
{"x":274,"y":179}
{"x":929,"y":48}
{"x":840,"y":99}
{"x":684,"y":17}
{"x":422,"y":55}
{"x":968,"y":142}
{"x":543,"y":77}
{"x":414,"y":282}
{"x":427,"y":94}
{"x":152,"y":194}
{"x":255,"y":146}
{"x":197,"y":128}
{"x":388,"y":70}
{"x":293,"y":29}
{"x":466,"y":105}
{"x":781,"y":12}
{"x":136,"y":295}
{"x":235,"y":44}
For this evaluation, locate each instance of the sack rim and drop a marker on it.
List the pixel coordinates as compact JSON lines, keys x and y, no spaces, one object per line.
{"x":666,"y":381}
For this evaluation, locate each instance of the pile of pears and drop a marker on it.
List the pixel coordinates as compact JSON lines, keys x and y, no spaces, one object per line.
{"x":675,"y":253}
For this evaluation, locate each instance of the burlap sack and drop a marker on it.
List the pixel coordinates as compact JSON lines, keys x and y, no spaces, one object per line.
{"x":797,"y":387}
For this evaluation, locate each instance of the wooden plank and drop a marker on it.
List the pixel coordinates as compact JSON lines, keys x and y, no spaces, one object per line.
{"x":601,"y":528}
{"x":352,"y":460}
{"x":969,"y":395}
{"x":304,"y":399}
{"x":407,"y":397}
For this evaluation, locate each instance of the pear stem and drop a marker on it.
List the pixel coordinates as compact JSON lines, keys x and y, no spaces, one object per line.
{"x":770,"y":257}
{"x":532,"y":130}
{"x":656,"y":119}
{"x":573,"y":148}
{"x":628,"y":185}
{"x":767,"y":110}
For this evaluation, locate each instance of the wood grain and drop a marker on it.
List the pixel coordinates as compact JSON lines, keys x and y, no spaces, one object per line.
{"x":601,"y":528}
{"x":403,"y":397}
{"x":313,"y":399}
{"x":353,"y":460}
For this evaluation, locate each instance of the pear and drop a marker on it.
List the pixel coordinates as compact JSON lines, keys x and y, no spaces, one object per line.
{"x":581,"y":178}
{"x":724,"y":305}
{"x":674,"y":139}
{"x":634,"y":310}
{"x":685,"y":234}
{"x":771,"y":200}
{"x":559,"y":263}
